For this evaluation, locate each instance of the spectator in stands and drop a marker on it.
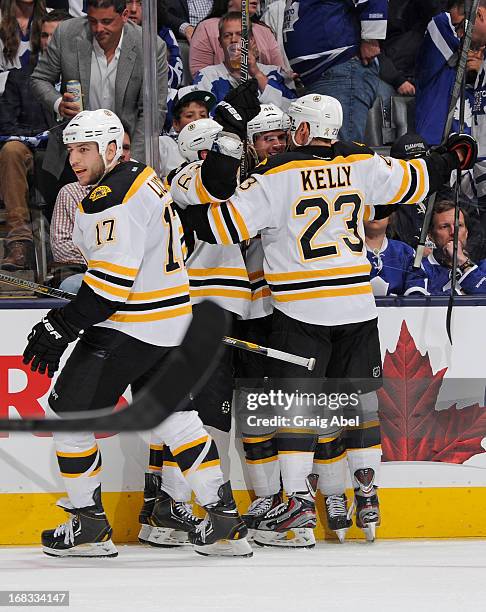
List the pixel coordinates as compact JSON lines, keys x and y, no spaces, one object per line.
{"x":20,"y":26}
{"x":109,"y":67}
{"x":189,"y":105}
{"x":436,"y":71}
{"x":69,"y":264}
{"x":22,"y":121}
{"x":391,"y":262}
{"x":182,"y":16}
{"x":274,"y":17}
{"x":471,"y":277}
{"x":407,"y":22}
{"x":333,"y":47}
{"x":174,"y":60}
{"x":205,"y":49}
{"x":274,"y":86}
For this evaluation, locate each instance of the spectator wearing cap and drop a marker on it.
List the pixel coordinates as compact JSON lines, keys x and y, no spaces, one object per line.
{"x":189,"y":105}
{"x":205,"y":49}
{"x":470,"y":276}
{"x":275,"y":87}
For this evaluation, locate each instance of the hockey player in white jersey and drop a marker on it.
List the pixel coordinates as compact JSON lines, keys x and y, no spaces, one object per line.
{"x":309,"y":206}
{"x":267,"y":133}
{"x":217,"y":273}
{"x":267,"y":136}
{"x":133,"y":306}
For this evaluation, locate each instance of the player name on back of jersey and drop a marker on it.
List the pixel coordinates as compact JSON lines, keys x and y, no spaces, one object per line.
{"x":330,"y":177}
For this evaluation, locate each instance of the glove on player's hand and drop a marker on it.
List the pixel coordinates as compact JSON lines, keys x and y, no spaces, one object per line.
{"x":239,"y":107}
{"x":47,"y":342}
{"x":463,"y":144}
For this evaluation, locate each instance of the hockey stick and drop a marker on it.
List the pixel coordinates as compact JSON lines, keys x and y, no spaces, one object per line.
{"x":308,"y":363}
{"x":186,"y":370}
{"x":305,"y":362}
{"x":455,"y":239}
{"x":42,"y":289}
{"x":458,"y":83}
{"x":244,"y":74}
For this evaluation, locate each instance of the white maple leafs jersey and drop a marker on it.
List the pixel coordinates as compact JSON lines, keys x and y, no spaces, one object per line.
{"x":309,"y":206}
{"x":131,"y":239}
{"x":215,"y":272}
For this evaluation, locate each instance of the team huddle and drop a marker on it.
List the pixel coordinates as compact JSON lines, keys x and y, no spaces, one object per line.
{"x":283,"y":252}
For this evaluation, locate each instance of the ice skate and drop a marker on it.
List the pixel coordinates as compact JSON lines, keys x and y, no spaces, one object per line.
{"x":170,"y":522}
{"x":86,"y":533}
{"x":290,"y":524}
{"x":367,"y":504}
{"x":222,"y":532}
{"x":338,"y":518}
{"x":259,"y":508}
{"x":153,"y":482}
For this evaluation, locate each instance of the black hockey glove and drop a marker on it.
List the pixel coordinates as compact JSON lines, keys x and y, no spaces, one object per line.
{"x":239,"y":107}
{"x":463,"y":143}
{"x":47,"y":342}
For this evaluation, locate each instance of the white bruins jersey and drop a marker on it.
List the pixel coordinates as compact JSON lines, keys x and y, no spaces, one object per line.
{"x":261,"y":296}
{"x":215,"y":272}
{"x":131,"y":239}
{"x":309,"y":206}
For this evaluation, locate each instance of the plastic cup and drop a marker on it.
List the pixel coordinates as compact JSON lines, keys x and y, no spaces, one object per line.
{"x":234,"y":52}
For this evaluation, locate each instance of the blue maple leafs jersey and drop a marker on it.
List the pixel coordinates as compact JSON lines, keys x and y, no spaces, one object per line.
{"x":392,"y":272}
{"x":435,"y":75}
{"x":319,"y":34}
{"x":472,"y":282}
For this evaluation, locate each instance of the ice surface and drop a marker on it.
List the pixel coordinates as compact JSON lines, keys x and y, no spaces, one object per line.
{"x":387,"y":576}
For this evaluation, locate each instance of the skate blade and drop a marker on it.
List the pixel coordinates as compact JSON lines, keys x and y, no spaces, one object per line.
{"x":341,"y":534}
{"x":301,"y":537}
{"x":226,"y":548}
{"x":144,"y":533}
{"x":95,"y":549}
{"x":370,"y":532}
{"x":165,"y":537}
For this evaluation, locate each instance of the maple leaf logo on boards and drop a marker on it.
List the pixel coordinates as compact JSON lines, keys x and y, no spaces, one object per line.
{"x":411,"y":428}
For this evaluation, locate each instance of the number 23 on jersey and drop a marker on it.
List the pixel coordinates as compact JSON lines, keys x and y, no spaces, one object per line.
{"x":347,"y":205}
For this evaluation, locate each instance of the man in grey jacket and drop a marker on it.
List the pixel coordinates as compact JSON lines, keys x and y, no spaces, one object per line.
{"x":103,"y":51}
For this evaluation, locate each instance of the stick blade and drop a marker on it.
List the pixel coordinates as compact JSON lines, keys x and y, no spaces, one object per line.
{"x":185,"y":371}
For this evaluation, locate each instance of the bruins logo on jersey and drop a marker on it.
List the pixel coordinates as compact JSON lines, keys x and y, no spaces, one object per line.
{"x":100,"y":192}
